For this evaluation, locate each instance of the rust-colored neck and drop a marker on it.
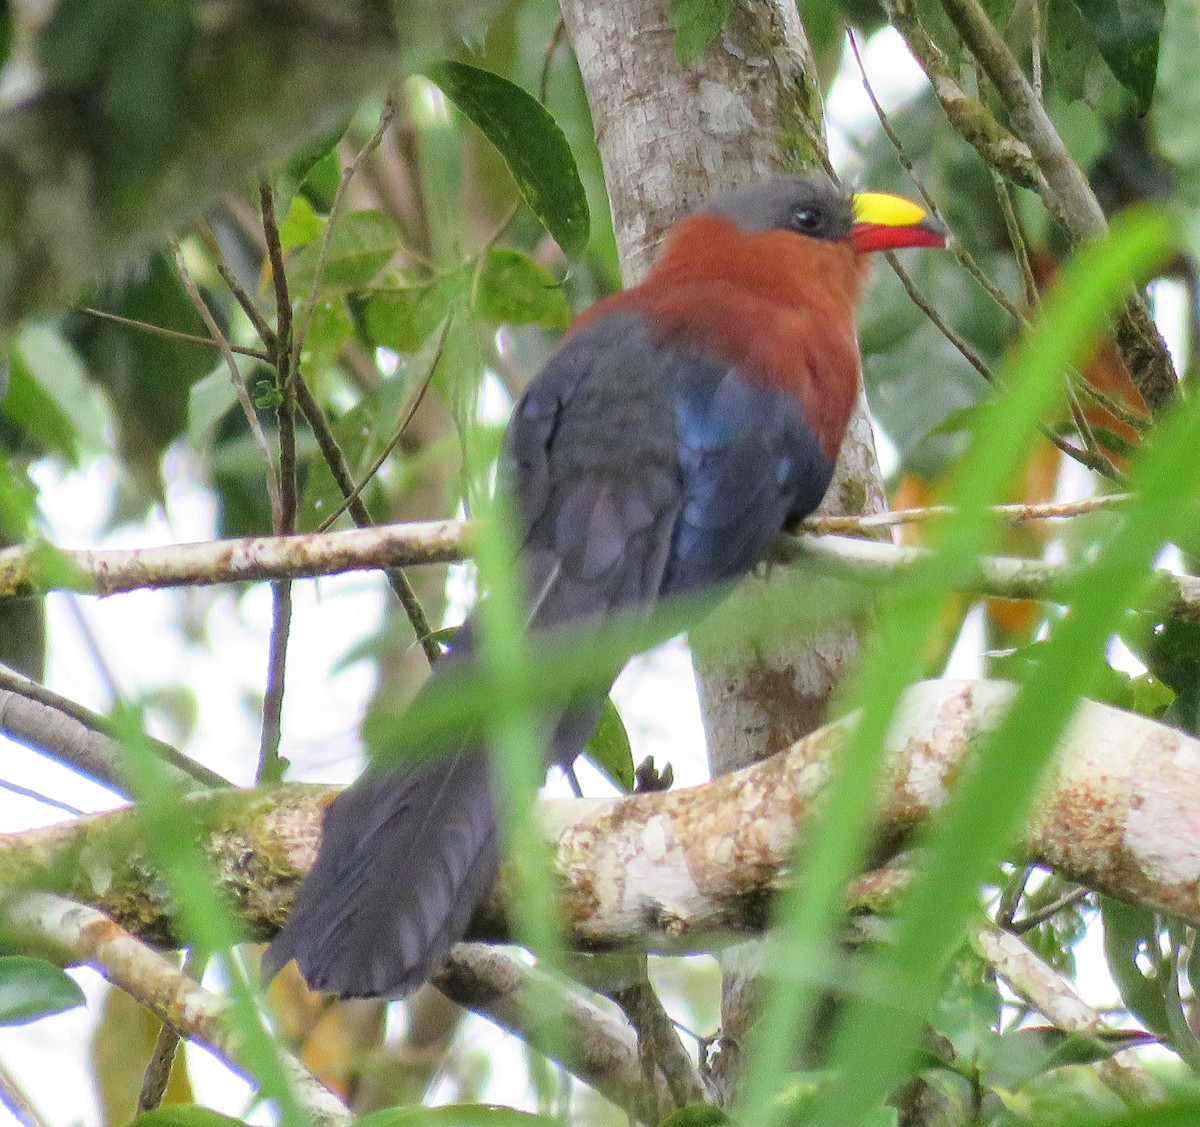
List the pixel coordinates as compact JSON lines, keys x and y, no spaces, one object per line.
{"x":778,"y":305}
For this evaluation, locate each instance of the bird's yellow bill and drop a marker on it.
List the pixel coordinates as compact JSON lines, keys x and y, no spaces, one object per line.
{"x":886,"y":222}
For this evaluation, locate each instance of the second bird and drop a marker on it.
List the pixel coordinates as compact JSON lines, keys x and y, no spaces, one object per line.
{"x":678,"y":429}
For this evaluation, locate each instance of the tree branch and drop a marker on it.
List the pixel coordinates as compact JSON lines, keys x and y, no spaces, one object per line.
{"x":667,"y":871}
{"x":589,"y":1041}
{"x":113,"y":571}
{"x":109,"y":572}
{"x":82,"y":935}
{"x":1054,"y":996}
{"x":33,"y":715}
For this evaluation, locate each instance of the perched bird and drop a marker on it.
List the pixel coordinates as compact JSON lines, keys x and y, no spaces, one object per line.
{"x":680,"y":426}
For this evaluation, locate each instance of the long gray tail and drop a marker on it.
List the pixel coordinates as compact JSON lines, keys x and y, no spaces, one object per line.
{"x":407,"y":853}
{"x":406,"y":856}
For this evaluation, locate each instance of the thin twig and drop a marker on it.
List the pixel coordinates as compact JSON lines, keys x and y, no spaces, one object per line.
{"x":309,"y":305}
{"x":171,"y":334}
{"x":1086,"y":434}
{"x":1016,"y":238}
{"x":560,"y":29}
{"x":968,"y":353}
{"x":13,"y":1097}
{"x":37,"y":796}
{"x":1015,"y":514}
{"x":158,"y":1070}
{"x":1034,"y":919}
{"x":659,"y":1046}
{"x":1011,"y":893}
{"x":249,"y":306}
{"x":239,"y":384}
{"x":960,"y":252}
{"x":270,"y":765}
{"x":340,"y":471}
{"x":74,"y":725}
{"x":376,"y":465}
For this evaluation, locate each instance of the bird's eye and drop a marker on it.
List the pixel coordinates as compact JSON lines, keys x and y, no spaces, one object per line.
{"x":805,"y":220}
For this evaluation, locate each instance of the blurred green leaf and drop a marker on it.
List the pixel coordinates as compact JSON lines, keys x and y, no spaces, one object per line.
{"x":361,"y":245}
{"x":696,"y":1115}
{"x":458,"y":1115}
{"x":697,"y":23}
{"x":978,"y":824}
{"x":403,"y":318}
{"x":1127,"y":33}
{"x":34,"y":988}
{"x":609,"y":748}
{"x":516,"y":290}
{"x":6,"y":32}
{"x":312,"y":174}
{"x":34,"y":409}
{"x":18,"y":503}
{"x":1176,"y":107}
{"x":61,"y":372}
{"x":1071,"y":51}
{"x":148,"y":377}
{"x":1130,"y":933}
{"x":185,"y":1115}
{"x":532,"y":144}
{"x":301,"y":225}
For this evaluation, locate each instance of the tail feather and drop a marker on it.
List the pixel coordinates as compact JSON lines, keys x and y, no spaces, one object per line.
{"x":405,"y":858}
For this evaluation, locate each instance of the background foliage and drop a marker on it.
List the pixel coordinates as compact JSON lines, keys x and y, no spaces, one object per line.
{"x":415,"y":259}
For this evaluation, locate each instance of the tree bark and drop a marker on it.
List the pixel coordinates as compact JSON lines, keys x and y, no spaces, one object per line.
{"x":671,"y":136}
{"x":1117,"y":812}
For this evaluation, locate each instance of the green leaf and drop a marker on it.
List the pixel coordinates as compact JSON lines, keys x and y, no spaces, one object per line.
{"x":18,"y":504}
{"x":515,"y":289}
{"x":609,"y":748}
{"x":1071,"y":52}
{"x":184,"y":1115}
{"x":35,"y":410}
{"x":697,"y":23}
{"x":1176,"y":106}
{"x":532,"y":144}
{"x":361,"y":245}
{"x":6,"y":32}
{"x":1127,"y":33}
{"x":148,"y":377}
{"x":696,"y":1115}
{"x":301,"y":225}
{"x":458,"y":1115}
{"x":1128,"y":933}
{"x":34,"y":988}
{"x":58,"y":369}
{"x":402,"y":318}
{"x":314,"y":171}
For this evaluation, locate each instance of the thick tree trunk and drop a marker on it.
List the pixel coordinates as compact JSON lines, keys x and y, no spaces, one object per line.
{"x":670,"y":137}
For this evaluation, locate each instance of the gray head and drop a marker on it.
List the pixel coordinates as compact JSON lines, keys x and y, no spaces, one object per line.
{"x":814,"y":207}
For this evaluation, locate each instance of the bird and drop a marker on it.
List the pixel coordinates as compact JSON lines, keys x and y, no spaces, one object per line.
{"x":679,"y":427}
